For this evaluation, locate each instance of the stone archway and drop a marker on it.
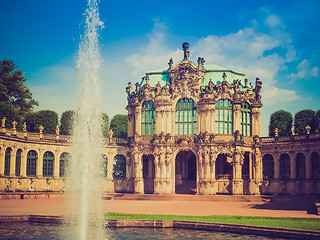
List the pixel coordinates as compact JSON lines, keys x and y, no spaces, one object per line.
{"x":185,"y":173}
{"x":148,"y":170}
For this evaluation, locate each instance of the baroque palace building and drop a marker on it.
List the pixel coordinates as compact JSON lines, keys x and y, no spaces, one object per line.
{"x":192,"y":129}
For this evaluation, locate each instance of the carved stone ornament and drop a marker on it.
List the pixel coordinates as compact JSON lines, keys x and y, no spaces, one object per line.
{"x":186,"y":79}
{"x":147,"y":93}
{"x":224,"y":91}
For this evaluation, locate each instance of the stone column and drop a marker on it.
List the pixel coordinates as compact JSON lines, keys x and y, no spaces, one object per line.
{"x":308,"y":189}
{"x":158,"y":120}
{"x":156,"y":181}
{"x":13,"y":162}
{"x":23,"y":172}
{"x":131,"y":121}
{"x":2,"y":160}
{"x":39,"y":169}
{"x":213,"y":187}
{"x":237,"y":182}
{"x":276,"y":180}
{"x":292,"y":174}
{"x":258,"y":169}
{"x":212,"y":120}
{"x":138,"y":177}
{"x":236,"y":117}
{"x":169,"y":123}
{"x":137,"y":114}
{"x":252,"y":185}
{"x":255,"y":121}
{"x":56,"y":165}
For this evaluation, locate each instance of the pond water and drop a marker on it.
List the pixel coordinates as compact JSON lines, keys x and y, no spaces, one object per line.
{"x":40,"y":231}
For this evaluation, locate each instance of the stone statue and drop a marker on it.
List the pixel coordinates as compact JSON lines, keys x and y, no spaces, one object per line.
{"x":170,"y":63}
{"x":137,"y":87}
{"x":276,"y":132}
{"x":57,"y":130}
{"x":3,"y":122}
{"x":292,"y":130}
{"x":24,"y":128}
{"x":41,"y":129}
{"x":14,"y":124}
{"x":147,"y":79}
{"x":110,"y":134}
{"x":185,"y":47}
{"x":129,"y":88}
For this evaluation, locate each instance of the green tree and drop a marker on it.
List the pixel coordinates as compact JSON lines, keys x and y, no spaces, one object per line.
{"x":105,"y":124}
{"x":302,"y":119}
{"x":119,"y":126}
{"x":13,"y":89}
{"x":66,"y":122}
{"x":317,"y":122}
{"x":282,"y":120}
{"x":47,"y":118}
{"x":7,"y":111}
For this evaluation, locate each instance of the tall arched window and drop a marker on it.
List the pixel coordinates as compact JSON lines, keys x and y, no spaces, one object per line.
{"x":285,"y":170}
{"x":18,"y":162}
{"x":300,"y":166}
{"x":186,"y":117}
{"x":119,"y":167}
{"x":148,"y":118}
{"x":64,"y":158}
{"x":224,"y":117}
{"x":245,"y":119}
{"x":47,"y":170}
{"x":268,"y":167}
{"x":32,"y":157}
{"x":7,"y":161}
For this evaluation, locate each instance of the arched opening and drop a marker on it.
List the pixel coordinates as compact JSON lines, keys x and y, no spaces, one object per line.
{"x":32,"y":157}
{"x":47,"y":170}
{"x":7,"y":162}
{"x":224,"y":168}
{"x":105,"y":165}
{"x":285,"y":171}
{"x":148,"y":169}
{"x":268,"y":167}
{"x":119,"y":167}
{"x":300,"y":166}
{"x":224,"y":173}
{"x":64,"y":158}
{"x":246,"y":172}
{"x":185,"y":173}
{"x":18,"y":162}
{"x":315,"y":166}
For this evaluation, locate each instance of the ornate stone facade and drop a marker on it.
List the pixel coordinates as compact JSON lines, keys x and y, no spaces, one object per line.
{"x":192,"y":129}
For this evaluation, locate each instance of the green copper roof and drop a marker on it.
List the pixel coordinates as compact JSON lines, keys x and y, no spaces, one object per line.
{"x":213,"y":72}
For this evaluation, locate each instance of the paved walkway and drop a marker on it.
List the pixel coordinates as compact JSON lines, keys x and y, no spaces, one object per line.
{"x":282,"y":208}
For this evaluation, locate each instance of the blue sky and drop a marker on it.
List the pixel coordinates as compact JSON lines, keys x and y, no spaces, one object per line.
{"x":277,"y":41}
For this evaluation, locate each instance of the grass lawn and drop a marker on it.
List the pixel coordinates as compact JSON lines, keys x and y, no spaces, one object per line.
{"x":295,"y":223}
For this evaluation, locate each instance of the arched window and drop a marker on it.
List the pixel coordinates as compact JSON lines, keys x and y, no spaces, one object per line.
{"x":300,"y":166}
{"x":285,"y":167}
{"x":47,"y":170}
{"x":32,"y":157}
{"x":105,"y":165}
{"x":18,"y":162}
{"x":7,"y":161}
{"x":148,"y":118}
{"x":119,"y":167}
{"x":245,"y":119}
{"x":315,"y":166}
{"x":268,"y":167}
{"x":224,"y":117}
{"x":186,"y":117}
{"x":64,"y":158}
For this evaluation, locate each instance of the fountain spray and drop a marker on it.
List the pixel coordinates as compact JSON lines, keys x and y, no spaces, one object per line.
{"x":83,"y":183}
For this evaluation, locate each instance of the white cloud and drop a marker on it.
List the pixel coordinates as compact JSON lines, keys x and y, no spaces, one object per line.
{"x":304,"y":71}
